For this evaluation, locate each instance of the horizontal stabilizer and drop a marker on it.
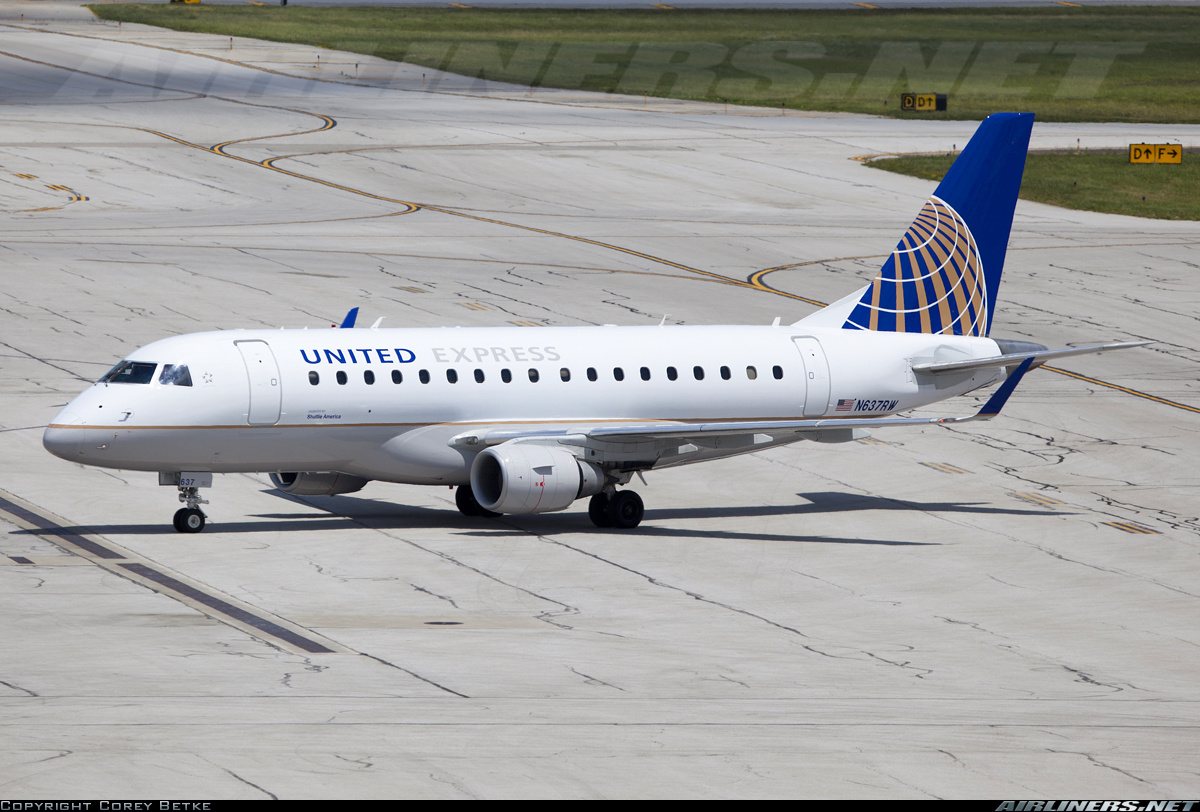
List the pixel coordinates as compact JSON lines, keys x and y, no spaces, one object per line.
{"x":1012,"y":359}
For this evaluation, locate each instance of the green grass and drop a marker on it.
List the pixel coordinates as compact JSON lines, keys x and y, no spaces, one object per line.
{"x":1092,"y":181}
{"x":1065,"y":64}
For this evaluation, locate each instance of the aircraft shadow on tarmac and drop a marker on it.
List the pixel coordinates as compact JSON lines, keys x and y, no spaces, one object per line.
{"x":349,"y":512}
{"x":387,"y":515}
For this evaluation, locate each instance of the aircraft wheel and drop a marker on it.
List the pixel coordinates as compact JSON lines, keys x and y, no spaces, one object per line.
{"x":189,"y":520}
{"x":625,"y":510}
{"x":465,"y":499}
{"x":468,"y":505}
{"x":598,"y":510}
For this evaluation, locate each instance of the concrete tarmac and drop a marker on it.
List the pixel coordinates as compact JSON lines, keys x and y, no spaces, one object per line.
{"x":1006,"y":610}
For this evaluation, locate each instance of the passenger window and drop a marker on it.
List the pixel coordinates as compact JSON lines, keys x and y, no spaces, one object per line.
{"x":506,"y":376}
{"x":533,"y":375}
{"x":619,"y":373}
{"x":314,"y":378}
{"x":565,"y":374}
{"x":592,"y":374}
{"x":423,"y":375}
{"x":645,"y":373}
{"x":452,"y":375}
{"x":369,"y":377}
{"x":479,"y":376}
{"x":672,"y":374}
{"x":175,"y":375}
{"x":751,"y":373}
{"x":341,"y":378}
{"x":777,"y":371}
{"x":726,"y":374}
{"x":698,"y":372}
{"x":397,"y":376}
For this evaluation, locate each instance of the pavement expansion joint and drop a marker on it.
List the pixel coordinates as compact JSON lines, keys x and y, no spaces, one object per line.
{"x":121,"y":561}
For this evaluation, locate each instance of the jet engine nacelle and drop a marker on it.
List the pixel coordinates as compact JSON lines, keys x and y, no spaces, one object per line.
{"x":528,"y":478}
{"x":306,"y":483}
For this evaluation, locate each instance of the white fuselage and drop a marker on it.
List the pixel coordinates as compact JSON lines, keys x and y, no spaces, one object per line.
{"x":385,"y":403}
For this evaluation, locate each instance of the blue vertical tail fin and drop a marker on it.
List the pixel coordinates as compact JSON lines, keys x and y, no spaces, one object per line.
{"x":944,"y":273}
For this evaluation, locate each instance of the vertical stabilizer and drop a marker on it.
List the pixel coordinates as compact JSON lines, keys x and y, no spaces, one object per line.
{"x":944,"y":273}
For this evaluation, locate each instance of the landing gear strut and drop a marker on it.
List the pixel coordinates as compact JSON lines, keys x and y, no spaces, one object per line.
{"x":190,"y":519}
{"x":468,"y":505}
{"x":621,"y":509}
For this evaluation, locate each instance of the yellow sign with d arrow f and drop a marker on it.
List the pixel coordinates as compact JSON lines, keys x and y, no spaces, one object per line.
{"x":1155,"y":154}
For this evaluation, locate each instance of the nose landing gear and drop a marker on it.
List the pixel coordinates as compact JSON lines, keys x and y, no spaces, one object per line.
{"x":188,"y":519}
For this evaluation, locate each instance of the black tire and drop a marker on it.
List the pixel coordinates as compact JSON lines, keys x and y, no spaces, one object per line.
{"x":468,"y":505}
{"x":625,"y":510}
{"x":189,"y":520}
{"x":465,"y":499}
{"x":598,"y":510}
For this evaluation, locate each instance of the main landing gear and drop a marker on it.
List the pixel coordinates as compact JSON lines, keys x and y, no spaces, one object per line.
{"x":620,"y":509}
{"x":468,"y":505}
{"x":190,"y":519}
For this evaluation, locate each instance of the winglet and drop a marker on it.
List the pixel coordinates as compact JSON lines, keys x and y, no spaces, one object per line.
{"x":350,"y":318}
{"x":999,"y":397}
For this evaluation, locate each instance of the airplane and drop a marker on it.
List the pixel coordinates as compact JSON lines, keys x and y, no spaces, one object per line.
{"x":527,"y":421}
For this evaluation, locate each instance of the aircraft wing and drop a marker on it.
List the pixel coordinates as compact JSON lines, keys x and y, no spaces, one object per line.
{"x":837,"y":429}
{"x":1011,"y":359}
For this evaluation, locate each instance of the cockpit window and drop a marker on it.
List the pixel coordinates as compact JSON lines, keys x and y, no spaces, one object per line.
{"x":130,"y":372}
{"x":175,"y":375}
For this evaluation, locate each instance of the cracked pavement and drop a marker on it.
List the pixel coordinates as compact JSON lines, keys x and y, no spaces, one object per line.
{"x":1008,"y":610}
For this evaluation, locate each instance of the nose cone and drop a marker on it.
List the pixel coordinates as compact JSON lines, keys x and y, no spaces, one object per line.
{"x":64,"y":436}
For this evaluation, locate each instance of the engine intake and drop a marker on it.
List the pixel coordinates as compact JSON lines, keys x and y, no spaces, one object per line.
{"x":306,"y":483}
{"x":527,"y":478}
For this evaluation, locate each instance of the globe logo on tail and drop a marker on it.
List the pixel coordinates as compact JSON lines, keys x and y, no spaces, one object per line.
{"x":932,"y":283}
